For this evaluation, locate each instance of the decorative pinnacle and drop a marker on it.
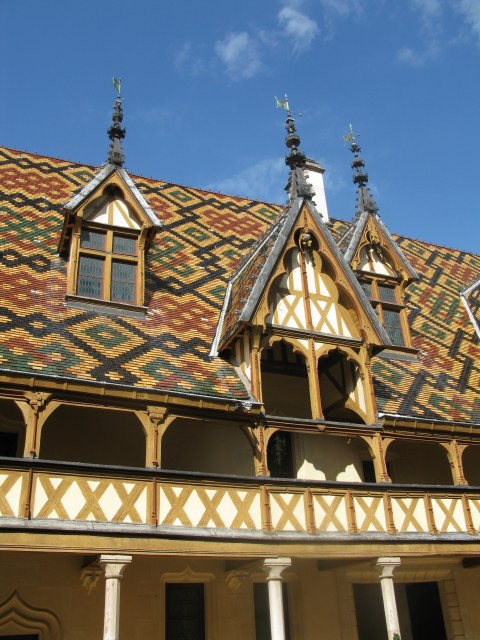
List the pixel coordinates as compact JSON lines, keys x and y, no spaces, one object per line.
{"x":296,"y":159}
{"x":364,"y":200}
{"x":115,"y":131}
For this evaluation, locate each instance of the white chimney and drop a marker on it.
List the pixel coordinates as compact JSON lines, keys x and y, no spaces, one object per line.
{"x":314,"y":174}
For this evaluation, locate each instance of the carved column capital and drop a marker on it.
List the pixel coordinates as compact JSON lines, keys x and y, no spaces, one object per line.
{"x":37,"y":400}
{"x":274,"y":567}
{"x":386,"y":566}
{"x":157,"y":414}
{"x":114,"y":565}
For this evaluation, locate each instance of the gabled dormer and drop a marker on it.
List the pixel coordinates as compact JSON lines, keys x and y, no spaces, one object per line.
{"x":381,"y":268}
{"x":296,"y":320}
{"x":106,"y":233}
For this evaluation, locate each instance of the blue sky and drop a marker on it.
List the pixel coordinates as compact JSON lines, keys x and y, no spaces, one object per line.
{"x":199,"y":79}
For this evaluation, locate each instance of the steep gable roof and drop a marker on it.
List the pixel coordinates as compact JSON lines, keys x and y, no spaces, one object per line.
{"x":357,"y":234}
{"x":248,"y":285}
{"x":204,"y":237}
{"x":97,"y":182}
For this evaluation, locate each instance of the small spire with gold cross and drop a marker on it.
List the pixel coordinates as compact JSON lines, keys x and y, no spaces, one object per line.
{"x":115,"y":131}
{"x":295,"y":159}
{"x":365,"y":201}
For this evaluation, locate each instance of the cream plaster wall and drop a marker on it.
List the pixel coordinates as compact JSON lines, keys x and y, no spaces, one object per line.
{"x":471,"y":465}
{"x":323,"y":457}
{"x":52,"y":582}
{"x":316,"y":605}
{"x":418,"y":463}
{"x":210,"y":447}
{"x":286,"y":395}
{"x":78,"y":434}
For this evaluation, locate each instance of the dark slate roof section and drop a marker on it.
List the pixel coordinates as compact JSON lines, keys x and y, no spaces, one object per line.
{"x":471,"y":299}
{"x":356,"y":236}
{"x":107,"y":170}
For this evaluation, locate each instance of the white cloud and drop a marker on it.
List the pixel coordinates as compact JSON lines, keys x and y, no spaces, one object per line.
{"x":183,"y":55}
{"x":470,"y":10}
{"x":417,"y":58}
{"x":299,"y":27}
{"x":433,"y":14}
{"x":240,"y":54}
{"x":263,"y":181}
{"x":187,"y":58}
{"x":343,"y":8}
{"x":429,"y":8}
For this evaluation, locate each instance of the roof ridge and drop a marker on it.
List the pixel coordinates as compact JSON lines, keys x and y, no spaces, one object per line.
{"x":146,"y":177}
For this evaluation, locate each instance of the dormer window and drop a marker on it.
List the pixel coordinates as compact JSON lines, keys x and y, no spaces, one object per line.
{"x":108,"y":265}
{"x":106,"y":233}
{"x":105,"y":236}
{"x":386,"y":299}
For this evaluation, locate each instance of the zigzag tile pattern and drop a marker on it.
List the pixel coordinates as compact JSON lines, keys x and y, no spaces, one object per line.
{"x":445,"y":382}
{"x":204,"y":238}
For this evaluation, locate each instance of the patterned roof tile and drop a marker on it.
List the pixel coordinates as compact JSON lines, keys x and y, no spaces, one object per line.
{"x":189,"y":263}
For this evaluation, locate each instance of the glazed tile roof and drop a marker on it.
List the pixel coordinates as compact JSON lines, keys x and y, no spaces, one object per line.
{"x":471,"y":299}
{"x":445,"y":382}
{"x":204,"y":237}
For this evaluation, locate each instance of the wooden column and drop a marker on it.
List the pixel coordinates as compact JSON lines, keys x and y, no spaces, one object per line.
{"x":379,"y":463}
{"x":155,"y":421}
{"x":36,"y":406}
{"x":454,"y":453}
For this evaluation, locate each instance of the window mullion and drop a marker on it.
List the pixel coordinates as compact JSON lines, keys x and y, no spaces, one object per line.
{"x":107,"y":281}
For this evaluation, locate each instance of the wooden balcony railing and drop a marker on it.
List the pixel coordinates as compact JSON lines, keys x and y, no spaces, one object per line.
{"x":60,"y":492}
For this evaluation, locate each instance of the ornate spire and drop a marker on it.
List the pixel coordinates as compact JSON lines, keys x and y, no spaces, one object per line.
{"x":297,"y":184}
{"x":116,"y":132}
{"x":365,"y":201}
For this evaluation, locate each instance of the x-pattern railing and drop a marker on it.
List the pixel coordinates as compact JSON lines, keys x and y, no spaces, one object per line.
{"x":261,"y":505}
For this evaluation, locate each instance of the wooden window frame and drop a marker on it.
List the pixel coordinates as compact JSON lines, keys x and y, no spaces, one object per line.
{"x":381,"y":305}
{"x":109,"y":257}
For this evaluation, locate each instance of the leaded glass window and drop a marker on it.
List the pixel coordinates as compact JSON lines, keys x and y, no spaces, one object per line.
{"x":386,"y":294}
{"x":91,"y":239}
{"x":279,"y":455}
{"x":90,"y":276}
{"x":126,"y":245}
{"x":387,"y":301}
{"x":393,"y":326}
{"x":367,"y":288}
{"x":108,"y":265}
{"x":123,"y":281}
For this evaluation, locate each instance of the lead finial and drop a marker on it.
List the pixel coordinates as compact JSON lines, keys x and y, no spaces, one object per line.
{"x":365,"y":201}
{"x":296,"y":159}
{"x":115,"y":131}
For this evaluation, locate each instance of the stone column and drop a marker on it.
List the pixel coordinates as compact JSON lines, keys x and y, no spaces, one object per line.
{"x":114,"y":567}
{"x":386,"y":567}
{"x":274,"y":568}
